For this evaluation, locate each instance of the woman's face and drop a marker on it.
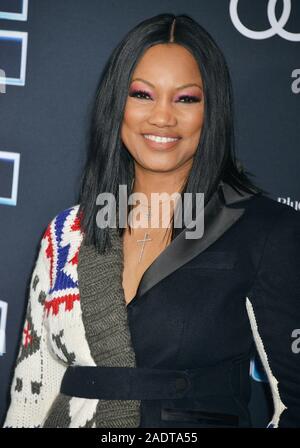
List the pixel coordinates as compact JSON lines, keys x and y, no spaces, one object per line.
{"x":160,"y":104}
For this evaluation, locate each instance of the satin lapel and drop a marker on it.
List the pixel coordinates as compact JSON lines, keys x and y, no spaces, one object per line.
{"x":218,"y":218}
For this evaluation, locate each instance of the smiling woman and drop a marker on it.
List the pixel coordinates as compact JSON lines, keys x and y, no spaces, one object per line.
{"x":162,"y":121}
{"x":167,"y":112}
{"x":163,"y":336}
{"x":161,"y":129}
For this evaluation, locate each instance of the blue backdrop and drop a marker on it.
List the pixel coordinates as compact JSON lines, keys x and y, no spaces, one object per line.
{"x":51,"y":56}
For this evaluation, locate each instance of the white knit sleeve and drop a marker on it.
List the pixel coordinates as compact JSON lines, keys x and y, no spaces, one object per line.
{"x":37,"y":373}
{"x":273,"y":306}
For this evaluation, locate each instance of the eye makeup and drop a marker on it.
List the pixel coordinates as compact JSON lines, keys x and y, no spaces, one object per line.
{"x":139,"y":92}
{"x":190,"y":98}
{"x":143,"y":94}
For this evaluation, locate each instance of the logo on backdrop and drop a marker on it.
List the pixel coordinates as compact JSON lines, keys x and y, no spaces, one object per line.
{"x":296,"y":343}
{"x":295,"y":87}
{"x":9,"y":177}
{"x":2,"y":81}
{"x":257,"y":371}
{"x":277,"y":26}
{"x":292,"y":203}
{"x":3,"y":316}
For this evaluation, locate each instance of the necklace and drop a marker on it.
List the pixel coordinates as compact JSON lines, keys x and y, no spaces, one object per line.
{"x":143,"y":242}
{"x":146,"y":238}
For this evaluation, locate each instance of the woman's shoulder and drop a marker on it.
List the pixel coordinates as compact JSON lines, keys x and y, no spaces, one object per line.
{"x":66,"y":219}
{"x":271,"y":210}
{"x":63,"y":230}
{"x":270,"y":218}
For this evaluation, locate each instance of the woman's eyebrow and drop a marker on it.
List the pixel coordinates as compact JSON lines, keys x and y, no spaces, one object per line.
{"x":177,"y":88}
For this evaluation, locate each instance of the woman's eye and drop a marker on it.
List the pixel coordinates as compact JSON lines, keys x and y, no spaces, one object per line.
{"x":139,"y":94}
{"x":191,"y":99}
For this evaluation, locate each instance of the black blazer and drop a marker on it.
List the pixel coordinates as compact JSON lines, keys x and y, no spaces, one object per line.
{"x":200,"y":310}
{"x":204,"y":305}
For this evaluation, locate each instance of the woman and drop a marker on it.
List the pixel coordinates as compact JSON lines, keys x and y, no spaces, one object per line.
{"x":147,"y":327}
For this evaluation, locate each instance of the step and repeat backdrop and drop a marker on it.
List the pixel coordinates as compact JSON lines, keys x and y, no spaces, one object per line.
{"x":51,"y":56}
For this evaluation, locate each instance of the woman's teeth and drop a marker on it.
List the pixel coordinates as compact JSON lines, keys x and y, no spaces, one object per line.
{"x":160,"y":139}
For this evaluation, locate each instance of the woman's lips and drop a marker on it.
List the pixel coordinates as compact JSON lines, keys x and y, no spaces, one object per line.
{"x":160,"y":145}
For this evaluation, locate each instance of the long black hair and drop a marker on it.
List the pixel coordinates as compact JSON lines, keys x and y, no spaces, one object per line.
{"x":109,"y":163}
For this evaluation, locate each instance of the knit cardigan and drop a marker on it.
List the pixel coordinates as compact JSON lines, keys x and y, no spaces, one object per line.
{"x":71,"y":280}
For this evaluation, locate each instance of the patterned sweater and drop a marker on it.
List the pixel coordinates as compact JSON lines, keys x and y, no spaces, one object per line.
{"x":43,"y":359}
{"x":55,"y":335}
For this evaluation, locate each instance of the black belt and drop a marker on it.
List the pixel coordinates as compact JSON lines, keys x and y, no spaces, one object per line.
{"x":142,"y":383}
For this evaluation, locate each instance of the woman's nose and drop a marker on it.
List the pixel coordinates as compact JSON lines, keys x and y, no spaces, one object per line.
{"x":162,"y":114}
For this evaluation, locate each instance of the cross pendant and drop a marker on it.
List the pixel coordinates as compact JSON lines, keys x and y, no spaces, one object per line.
{"x":144,"y":240}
